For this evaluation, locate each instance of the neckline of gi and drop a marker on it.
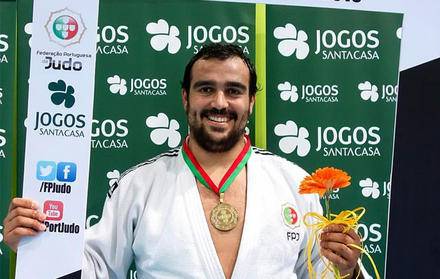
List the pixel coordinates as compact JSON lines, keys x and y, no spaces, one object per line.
{"x":201,"y":227}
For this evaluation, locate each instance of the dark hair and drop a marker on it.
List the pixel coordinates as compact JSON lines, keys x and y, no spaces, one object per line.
{"x":222,"y":52}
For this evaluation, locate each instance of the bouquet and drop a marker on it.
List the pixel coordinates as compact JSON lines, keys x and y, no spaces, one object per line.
{"x":323,"y":181}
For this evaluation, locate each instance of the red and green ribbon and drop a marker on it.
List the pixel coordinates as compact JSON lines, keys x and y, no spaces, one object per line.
{"x":229,"y":176}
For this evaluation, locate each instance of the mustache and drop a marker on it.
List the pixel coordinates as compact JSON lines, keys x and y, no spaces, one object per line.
{"x":221,"y":112}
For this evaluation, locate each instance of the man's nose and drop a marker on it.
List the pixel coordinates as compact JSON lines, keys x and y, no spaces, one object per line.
{"x":220,"y":101}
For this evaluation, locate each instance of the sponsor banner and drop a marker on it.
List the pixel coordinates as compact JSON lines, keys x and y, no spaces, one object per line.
{"x":7,"y":109}
{"x":419,"y":15}
{"x":331,"y":101}
{"x":58,"y":133}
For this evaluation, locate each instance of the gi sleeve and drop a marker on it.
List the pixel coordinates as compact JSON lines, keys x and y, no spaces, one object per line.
{"x":108,"y":244}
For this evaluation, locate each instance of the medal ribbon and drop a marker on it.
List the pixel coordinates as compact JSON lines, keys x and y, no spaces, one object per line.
{"x":229,"y":176}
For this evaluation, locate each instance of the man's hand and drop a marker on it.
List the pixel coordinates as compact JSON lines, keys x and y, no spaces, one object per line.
{"x":23,"y":219}
{"x":334,"y":248}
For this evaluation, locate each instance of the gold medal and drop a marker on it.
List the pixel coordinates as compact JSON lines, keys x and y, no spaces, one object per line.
{"x":224,"y":216}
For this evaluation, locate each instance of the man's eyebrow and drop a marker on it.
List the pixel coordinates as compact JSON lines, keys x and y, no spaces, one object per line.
{"x":203,"y":83}
{"x":236,"y":84}
{"x":213,"y":83}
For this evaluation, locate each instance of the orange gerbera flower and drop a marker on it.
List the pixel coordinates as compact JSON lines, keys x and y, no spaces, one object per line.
{"x":323,"y":180}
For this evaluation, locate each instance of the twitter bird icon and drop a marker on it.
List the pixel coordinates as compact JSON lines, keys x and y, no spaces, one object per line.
{"x":46,"y":170}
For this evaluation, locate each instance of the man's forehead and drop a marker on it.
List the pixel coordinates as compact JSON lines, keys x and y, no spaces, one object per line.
{"x":233,"y":60}
{"x":229,"y":68}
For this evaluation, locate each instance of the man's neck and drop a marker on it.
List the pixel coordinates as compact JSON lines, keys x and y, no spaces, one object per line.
{"x":215,"y":159}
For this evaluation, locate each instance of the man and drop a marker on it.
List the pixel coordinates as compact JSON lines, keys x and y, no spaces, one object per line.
{"x":212,"y":209}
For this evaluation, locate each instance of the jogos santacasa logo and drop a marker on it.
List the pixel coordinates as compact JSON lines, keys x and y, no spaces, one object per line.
{"x":309,"y":93}
{"x":168,"y":37}
{"x":112,"y":40}
{"x":51,"y":123}
{"x":109,"y":133}
{"x":342,"y":141}
{"x":149,"y":86}
{"x":371,"y":92}
{"x":65,"y":27}
{"x":330,"y":44}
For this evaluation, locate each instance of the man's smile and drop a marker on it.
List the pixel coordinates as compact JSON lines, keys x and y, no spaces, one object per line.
{"x":219,"y":116}
{"x":219,"y":119}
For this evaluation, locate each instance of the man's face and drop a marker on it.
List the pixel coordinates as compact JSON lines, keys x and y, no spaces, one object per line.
{"x":218,"y":104}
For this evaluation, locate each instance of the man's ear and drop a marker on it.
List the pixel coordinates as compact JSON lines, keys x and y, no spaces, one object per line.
{"x":185,"y":99}
{"x":251,"y":104}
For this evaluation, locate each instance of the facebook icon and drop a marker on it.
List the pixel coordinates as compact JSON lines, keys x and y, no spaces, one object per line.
{"x":66,"y":171}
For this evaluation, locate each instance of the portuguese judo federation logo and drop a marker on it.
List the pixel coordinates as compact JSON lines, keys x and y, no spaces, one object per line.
{"x":290,"y":215}
{"x":65,"y":27}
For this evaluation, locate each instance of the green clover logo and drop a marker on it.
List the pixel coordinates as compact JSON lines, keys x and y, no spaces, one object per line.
{"x":62,"y":93}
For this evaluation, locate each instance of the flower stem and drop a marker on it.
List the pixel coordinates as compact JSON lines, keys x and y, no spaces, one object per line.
{"x":327,"y":205}
{"x":328,"y":216}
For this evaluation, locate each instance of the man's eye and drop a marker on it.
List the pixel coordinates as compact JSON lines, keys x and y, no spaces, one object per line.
{"x":234,"y":91}
{"x":206,"y":89}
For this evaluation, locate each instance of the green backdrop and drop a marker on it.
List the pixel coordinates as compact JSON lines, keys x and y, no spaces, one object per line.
{"x":138,"y":110}
{"x":343,"y":129}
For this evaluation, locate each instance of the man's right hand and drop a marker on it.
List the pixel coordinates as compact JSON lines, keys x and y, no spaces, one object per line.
{"x":23,"y":219}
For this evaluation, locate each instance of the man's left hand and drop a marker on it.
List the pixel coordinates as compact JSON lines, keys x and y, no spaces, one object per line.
{"x":334,"y":248}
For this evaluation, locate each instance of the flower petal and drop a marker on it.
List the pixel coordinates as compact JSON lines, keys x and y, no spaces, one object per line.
{"x":323,"y":180}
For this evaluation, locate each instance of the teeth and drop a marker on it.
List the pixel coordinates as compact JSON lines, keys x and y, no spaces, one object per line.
{"x":217,"y":118}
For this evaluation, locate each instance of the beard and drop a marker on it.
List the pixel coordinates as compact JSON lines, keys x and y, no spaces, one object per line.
{"x":207,"y":141}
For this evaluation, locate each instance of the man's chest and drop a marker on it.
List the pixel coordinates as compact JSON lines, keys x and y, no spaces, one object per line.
{"x":175,"y":234}
{"x":226,"y":243}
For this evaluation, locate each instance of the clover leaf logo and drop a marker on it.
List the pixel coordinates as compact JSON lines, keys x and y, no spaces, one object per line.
{"x":164,"y":130}
{"x":62,"y":93}
{"x":164,"y":36}
{"x":288,"y":92}
{"x":368,"y":91}
{"x":117,"y":85}
{"x":369,"y":188}
{"x":293,"y":138}
{"x":113,"y":176}
{"x":292,"y":41}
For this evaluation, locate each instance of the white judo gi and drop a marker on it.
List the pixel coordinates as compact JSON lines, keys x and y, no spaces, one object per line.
{"x":154,"y":215}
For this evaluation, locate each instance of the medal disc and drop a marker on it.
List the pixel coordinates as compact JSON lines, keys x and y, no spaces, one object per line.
{"x":224,"y":217}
